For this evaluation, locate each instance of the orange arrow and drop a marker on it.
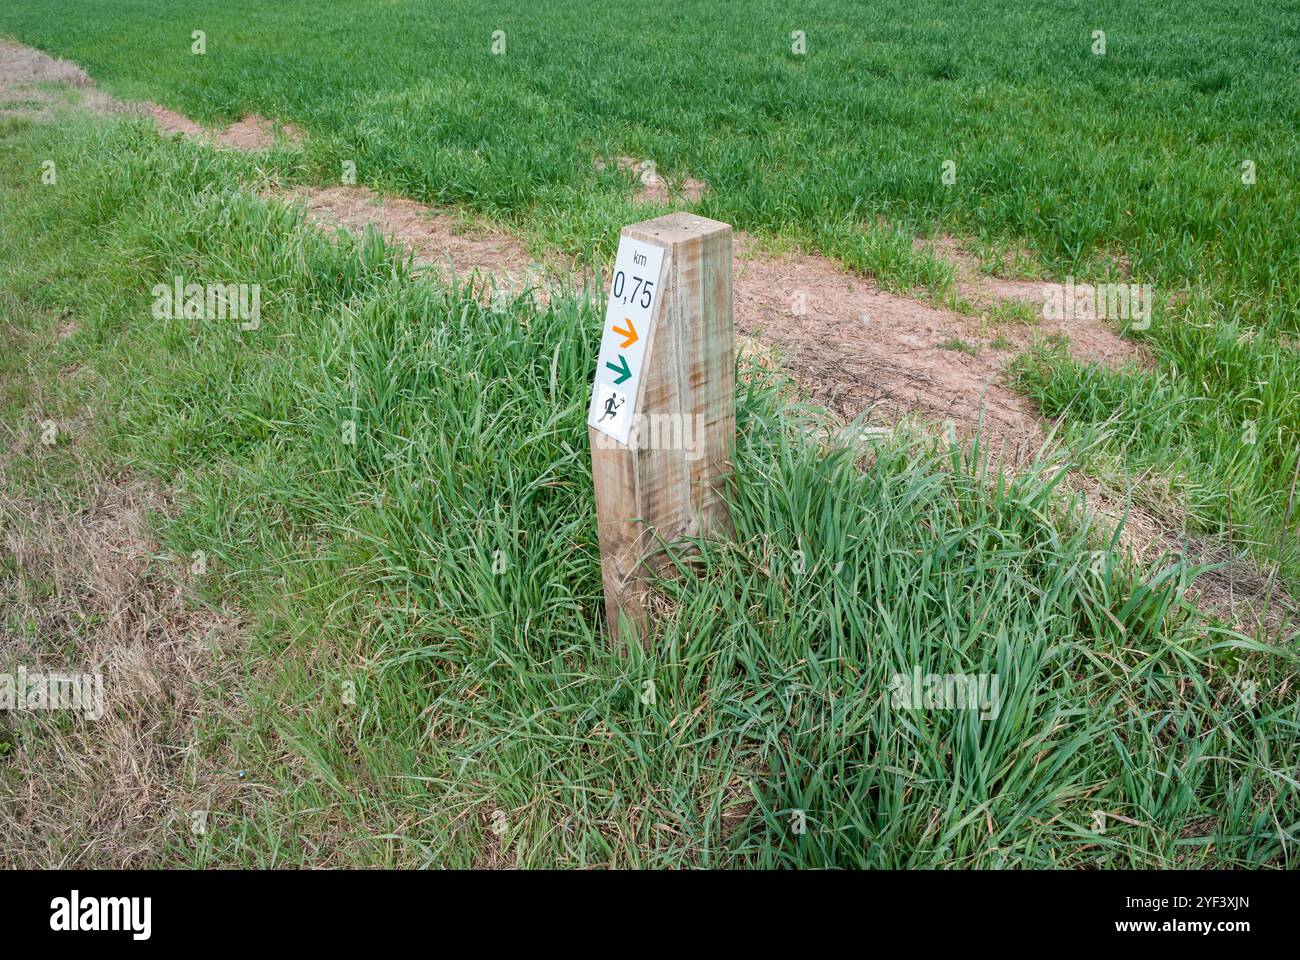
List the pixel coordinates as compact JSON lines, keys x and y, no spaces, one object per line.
{"x":630,"y":333}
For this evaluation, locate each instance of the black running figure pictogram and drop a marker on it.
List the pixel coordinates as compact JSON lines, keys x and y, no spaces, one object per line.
{"x":611,"y":408}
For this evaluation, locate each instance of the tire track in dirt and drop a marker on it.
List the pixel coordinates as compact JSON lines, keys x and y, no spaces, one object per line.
{"x":863,"y":350}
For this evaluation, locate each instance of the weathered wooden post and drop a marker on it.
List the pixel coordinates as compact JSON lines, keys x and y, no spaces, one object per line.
{"x":662,"y":422}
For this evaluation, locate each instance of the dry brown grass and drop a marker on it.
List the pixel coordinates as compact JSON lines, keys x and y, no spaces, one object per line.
{"x":85,"y":588}
{"x":1237,"y":591}
{"x":32,"y":84}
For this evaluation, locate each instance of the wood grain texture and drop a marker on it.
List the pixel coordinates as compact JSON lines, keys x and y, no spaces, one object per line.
{"x":650,"y":492}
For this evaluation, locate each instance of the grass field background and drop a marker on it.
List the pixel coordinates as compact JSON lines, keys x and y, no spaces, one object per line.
{"x":370,"y":567}
{"x":1085,"y":157}
{"x":373,"y":565}
{"x":1085,"y":163}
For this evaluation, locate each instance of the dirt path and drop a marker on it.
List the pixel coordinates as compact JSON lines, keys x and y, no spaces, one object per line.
{"x":32,"y":83}
{"x":440,"y":238}
{"x":251,"y":132}
{"x":861,"y":349}
{"x":855,"y":348}
{"x":852,"y":346}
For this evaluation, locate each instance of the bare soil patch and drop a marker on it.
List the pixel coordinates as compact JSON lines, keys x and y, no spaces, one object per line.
{"x":254,"y":132}
{"x":250,"y":133}
{"x":1091,"y":335}
{"x":23,"y":67}
{"x":32,"y":82}
{"x":862,"y":350}
{"x":654,"y":188}
{"x":1236,"y":591}
{"x":169,"y":121}
{"x":441,"y":239}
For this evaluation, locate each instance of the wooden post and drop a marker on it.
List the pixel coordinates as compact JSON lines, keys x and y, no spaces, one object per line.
{"x":662,"y":423}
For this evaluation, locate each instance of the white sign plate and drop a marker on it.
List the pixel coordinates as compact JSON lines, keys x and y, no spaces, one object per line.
{"x":633,"y":295}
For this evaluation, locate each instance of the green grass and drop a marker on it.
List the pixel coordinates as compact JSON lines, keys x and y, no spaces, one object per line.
{"x":1214,"y":428}
{"x":1082,"y":161}
{"x":1081,"y":156}
{"x":399,"y":690}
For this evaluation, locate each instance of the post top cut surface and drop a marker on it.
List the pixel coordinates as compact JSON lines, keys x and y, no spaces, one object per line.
{"x":674,"y":228}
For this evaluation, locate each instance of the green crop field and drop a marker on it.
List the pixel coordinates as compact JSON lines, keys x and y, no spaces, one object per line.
{"x":1136,"y":155}
{"x":411,"y":666}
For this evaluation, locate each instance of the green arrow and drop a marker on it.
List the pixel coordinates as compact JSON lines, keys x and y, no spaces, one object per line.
{"x":622,"y":369}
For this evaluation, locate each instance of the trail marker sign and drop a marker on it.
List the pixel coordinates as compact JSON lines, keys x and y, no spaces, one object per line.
{"x":634,"y":291}
{"x":662,"y":420}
